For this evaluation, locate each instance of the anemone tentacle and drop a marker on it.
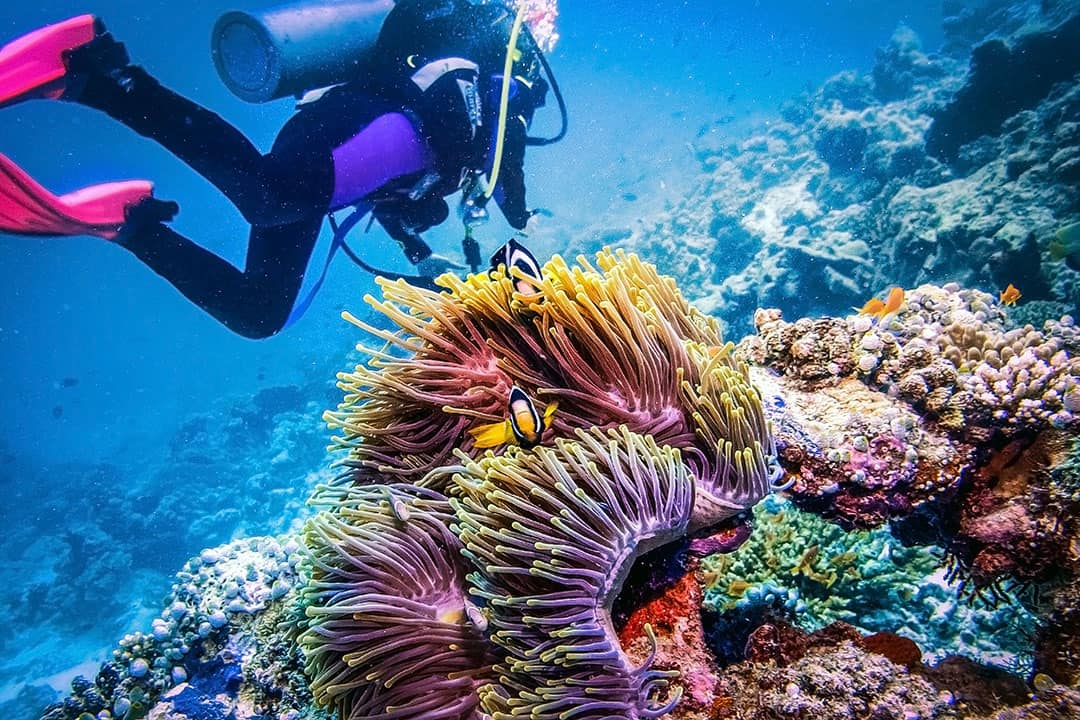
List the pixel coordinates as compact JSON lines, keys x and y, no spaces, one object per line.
{"x":388,"y":634}
{"x":551,"y":534}
{"x":656,"y":432}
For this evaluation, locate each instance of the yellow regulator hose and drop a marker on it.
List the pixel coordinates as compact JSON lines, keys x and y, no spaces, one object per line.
{"x":504,"y":100}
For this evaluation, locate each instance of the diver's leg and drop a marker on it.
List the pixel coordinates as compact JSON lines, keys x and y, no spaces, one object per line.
{"x":254,"y":302}
{"x":265,"y":192}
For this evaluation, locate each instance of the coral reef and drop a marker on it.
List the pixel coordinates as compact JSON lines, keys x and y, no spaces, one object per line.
{"x":215,"y":651}
{"x":498,"y":586}
{"x":445,"y":580}
{"x":1002,"y":82}
{"x":812,"y":572}
{"x":244,"y":466}
{"x":968,"y":420}
{"x":951,"y":353}
{"x":840,"y":198}
{"x":967,"y":25}
{"x":657,"y":433}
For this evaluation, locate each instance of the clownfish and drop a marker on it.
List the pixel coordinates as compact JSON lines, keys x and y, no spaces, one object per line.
{"x":1009,"y":295}
{"x":515,"y":255}
{"x":879,"y":309}
{"x":523,"y":426}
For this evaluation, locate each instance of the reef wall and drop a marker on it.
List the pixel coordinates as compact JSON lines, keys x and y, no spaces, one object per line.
{"x":929,"y":168}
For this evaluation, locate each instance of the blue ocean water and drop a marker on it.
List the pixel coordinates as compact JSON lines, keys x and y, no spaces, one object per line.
{"x":134,"y":429}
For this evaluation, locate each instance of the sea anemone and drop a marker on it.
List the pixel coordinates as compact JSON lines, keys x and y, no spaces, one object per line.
{"x":613,"y":346}
{"x":552,"y":534}
{"x":389,"y":633}
{"x":655,"y":432}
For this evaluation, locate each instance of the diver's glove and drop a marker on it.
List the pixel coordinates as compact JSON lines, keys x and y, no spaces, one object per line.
{"x":435,"y":265}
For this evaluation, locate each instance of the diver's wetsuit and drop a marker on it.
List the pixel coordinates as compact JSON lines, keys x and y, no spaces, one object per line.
{"x":372,"y":140}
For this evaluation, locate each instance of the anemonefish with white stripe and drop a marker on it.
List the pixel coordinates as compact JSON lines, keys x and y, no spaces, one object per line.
{"x":523,"y":426}
{"x":515,"y":255}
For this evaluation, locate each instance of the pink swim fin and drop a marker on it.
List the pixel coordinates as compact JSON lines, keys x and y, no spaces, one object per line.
{"x":26,"y":208}
{"x":33,"y":66}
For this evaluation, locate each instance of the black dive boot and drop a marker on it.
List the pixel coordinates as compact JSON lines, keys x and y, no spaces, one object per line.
{"x":97,"y":72}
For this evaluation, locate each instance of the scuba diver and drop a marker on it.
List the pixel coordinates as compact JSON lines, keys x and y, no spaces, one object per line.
{"x":431,"y":110}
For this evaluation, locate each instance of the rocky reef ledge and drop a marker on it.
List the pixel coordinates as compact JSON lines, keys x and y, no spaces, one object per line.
{"x":945,"y":422}
{"x":934,"y":167}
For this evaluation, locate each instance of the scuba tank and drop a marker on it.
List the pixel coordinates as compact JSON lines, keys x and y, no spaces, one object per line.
{"x":290,"y":49}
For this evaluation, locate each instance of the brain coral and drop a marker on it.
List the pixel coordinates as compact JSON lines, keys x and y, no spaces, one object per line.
{"x":454,"y":582}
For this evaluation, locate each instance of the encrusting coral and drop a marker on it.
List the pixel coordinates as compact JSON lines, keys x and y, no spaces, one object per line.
{"x":488,"y":580}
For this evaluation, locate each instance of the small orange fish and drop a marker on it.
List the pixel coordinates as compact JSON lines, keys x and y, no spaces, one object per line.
{"x":877,"y":308}
{"x":1010,"y":295}
{"x":524,"y":425}
{"x":893,"y":302}
{"x":873,"y":306}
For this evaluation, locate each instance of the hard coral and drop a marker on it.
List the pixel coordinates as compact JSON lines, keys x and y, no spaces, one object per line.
{"x":658,"y":432}
{"x":949,"y":351}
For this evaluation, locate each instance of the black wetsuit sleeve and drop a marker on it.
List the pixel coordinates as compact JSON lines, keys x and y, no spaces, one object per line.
{"x":510,"y":190}
{"x":392,"y":219}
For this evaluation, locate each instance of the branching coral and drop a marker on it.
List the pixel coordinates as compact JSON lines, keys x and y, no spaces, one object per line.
{"x":657,"y":432}
{"x":950,"y":351}
{"x":955,"y":351}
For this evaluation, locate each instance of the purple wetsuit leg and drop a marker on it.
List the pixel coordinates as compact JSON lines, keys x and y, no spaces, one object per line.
{"x":388,"y":147}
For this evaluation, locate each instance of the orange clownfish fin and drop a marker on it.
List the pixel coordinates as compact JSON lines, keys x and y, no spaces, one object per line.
{"x":492,"y":435}
{"x":549,"y":413}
